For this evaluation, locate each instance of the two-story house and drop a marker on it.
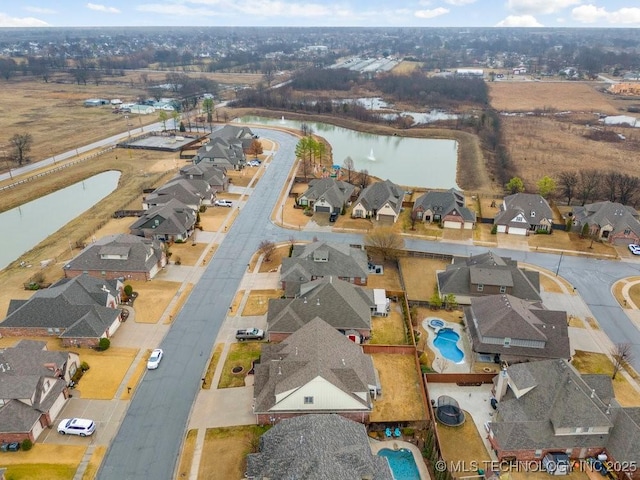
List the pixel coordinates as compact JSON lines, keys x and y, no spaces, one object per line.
{"x":523,"y":213}
{"x":609,"y":221}
{"x":381,"y":201}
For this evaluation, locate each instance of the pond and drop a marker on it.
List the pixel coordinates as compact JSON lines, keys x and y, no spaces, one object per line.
{"x":27,"y":225}
{"x":410,"y":162}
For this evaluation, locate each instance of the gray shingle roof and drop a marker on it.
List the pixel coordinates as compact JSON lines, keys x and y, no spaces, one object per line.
{"x":221,"y":151}
{"x":625,"y":436}
{"x":187,"y":191}
{"x":316,"y":447}
{"x":335,"y":192}
{"x":314,"y":350}
{"x":532,"y":206}
{"x":378,"y":194}
{"x":342,"y":305}
{"x":444,"y":203}
{"x":136,"y":254}
{"x":505,"y":316}
{"x":172,"y":218}
{"x":619,"y":216}
{"x":215,"y":176}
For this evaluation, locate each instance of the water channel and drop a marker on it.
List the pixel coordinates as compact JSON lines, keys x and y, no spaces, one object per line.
{"x":27,"y":225}
{"x":411,"y":162}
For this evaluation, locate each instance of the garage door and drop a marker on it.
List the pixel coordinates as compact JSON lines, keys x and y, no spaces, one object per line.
{"x":323,"y":209}
{"x":386,"y":219}
{"x":517,"y":231}
{"x":450,"y":224}
{"x":622,"y":241}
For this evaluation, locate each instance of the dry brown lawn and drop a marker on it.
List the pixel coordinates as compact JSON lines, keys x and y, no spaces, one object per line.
{"x":389,"y":280}
{"x":549,"y":285}
{"x":134,"y":380}
{"x":570,"y":242}
{"x":178,"y":305}
{"x":225,"y":450}
{"x":212,"y":219}
{"x":258,"y":301}
{"x":107,"y":369}
{"x":390,"y":330}
{"x":294,"y":217}
{"x":405,"y":67}
{"x":419,"y":276}
{"x":187,"y":253}
{"x":463,"y":443}
{"x":113,"y":227}
{"x":593,"y":323}
{"x":94,"y":462}
{"x":588,"y":362}
{"x":634,"y":294}
{"x":401,"y":386}
{"x":186,"y":454}
{"x":239,"y":354}
{"x":275,"y":259}
{"x":213,"y":364}
{"x":576,"y":322}
{"x":153,"y":298}
{"x":233,"y":308}
{"x":43,"y":461}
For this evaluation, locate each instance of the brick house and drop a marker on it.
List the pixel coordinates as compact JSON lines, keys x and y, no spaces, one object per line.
{"x":523,"y":213}
{"x":445,"y":208}
{"x":381,"y":201}
{"x":609,"y":221}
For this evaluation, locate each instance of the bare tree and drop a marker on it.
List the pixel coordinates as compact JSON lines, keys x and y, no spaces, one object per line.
{"x":348,"y":166}
{"x":267,"y":248}
{"x":365,"y":179}
{"x":568,"y":182}
{"x":385,"y":241}
{"x":589,"y":185}
{"x":440,"y":365}
{"x":627,"y":188}
{"x":610,"y":181}
{"x":21,"y":143}
{"x":622,"y":355}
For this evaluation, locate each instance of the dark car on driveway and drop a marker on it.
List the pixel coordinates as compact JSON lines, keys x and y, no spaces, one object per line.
{"x":333,"y":217}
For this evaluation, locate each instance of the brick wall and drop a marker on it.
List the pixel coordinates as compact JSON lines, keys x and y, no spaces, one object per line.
{"x":272,"y":419}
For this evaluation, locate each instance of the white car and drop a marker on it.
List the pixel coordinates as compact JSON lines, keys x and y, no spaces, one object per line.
{"x":154,"y":359}
{"x":254,"y":163}
{"x":223,"y":203}
{"x":77,"y":426}
{"x":635,"y":249}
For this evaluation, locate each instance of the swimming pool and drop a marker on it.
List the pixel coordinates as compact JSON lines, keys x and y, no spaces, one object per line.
{"x":403,"y":466}
{"x":447,"y":342}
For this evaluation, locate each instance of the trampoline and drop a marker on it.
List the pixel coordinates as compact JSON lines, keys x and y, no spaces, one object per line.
{"x":448,"y":412}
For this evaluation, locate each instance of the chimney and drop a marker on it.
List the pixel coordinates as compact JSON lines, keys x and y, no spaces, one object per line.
{"x":279,"y":370}
{"x":502,"y":384}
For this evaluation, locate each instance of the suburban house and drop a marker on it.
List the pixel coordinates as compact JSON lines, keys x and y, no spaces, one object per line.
{"x":216,"y":177}
{"x":321,"y":259}
{"x":317,"y":447}
{"x":173,"y":221}
{"x":235,"y":133}
{"x":119,"y":256}
{"x":444,"y":208}
{"x":344,"y":306}
{"x":380,"y":200}
{"x":487,"y":274}
{"x":79,"y":310}
{"x":503,"y":328}
{"x":33,"y":388}
{"x":609,"y":221}
{"x":221,"y":153}
{"x":326,"y":195}
{"x":192,"y":192}
{"x":548,"y":406}
{"x":314,"y":370}
{"x":523,"y":213}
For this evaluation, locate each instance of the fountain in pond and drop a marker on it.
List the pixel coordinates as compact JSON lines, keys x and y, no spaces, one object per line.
{"x":371,"y":156}
{"x":282,"y":119}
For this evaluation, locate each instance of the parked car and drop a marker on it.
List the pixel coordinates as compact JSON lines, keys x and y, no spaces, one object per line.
{"x":223,"y":203}
{"x":154,"y":359}
{"x":333,"y":217}
{"x":10,"y":446}
{"x":250,"y":334}
{"x":254,"y":163}
{"x":77,"y":426}
{"x":634,"y":248}
{"x":494,"y":403}
{"x":557,"y":463}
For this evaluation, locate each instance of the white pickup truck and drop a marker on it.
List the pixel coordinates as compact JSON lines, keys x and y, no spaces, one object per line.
{"x":249,"y":334}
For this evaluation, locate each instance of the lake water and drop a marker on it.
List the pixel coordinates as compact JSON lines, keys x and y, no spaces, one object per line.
{"x":26,"y":226}
{"x":411,"y":162}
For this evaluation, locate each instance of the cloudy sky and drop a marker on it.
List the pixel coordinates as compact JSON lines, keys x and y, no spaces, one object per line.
{"x":411,"y":13}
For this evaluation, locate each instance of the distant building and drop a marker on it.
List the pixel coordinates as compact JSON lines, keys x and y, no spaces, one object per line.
{"x":470,"y":72}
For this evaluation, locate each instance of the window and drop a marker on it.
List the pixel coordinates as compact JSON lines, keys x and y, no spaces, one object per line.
{"x":507,"y":342}
{"x":627,"y":231}
{"x":480,"y":287}
{"x":308,"y":400}
{"x":503,"y":289}
{"x":538,"y":453}
{"x":533,"y":214}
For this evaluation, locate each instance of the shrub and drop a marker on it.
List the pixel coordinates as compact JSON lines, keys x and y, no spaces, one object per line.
{"x":128,"y":290}
{"x":408,"y":432}
{"x":494,"y":230}
{"x":104,"y":344}
{"x":77,"y":376}
{"x":179,"y":240}
{"x":177,"y":261}
{"x":542,"y":231}
{"x":203,"y":208}
{"x":84,"y":366}
{"x":26,"y":445}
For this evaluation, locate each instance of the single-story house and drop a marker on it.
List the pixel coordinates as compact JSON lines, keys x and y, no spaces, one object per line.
{"x":317,"y":447}
{"x":380,"y":200}
{"x":344,"y":306}
{"x":487,"y":274}
{"x":173,"y":221}
{"x":33,"y":388}
{"x":326,"y":195}
{"x":322,"y":259}
{"x":216,"y":177}
{"x":609,"y":221}
{"x":548,"y":406}
{"x":523,"y":213}
{"x":79,"y":310}
{"x":191,"y":192}
{"x":503,"y":328}
{"x":119,"y":256}
{"x":314,"y":370}
{"x":445,"y":208}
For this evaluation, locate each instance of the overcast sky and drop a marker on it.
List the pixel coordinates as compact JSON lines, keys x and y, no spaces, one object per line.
{"x":382,"y":13}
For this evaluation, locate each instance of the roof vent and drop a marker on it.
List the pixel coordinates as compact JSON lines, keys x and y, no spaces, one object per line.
{"x":593,"y":392}
{"x":318,"y":301}
{"x":279,"y":370}
{"x":305,"y":300}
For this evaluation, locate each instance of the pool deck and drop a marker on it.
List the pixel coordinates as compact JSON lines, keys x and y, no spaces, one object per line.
{"x":377,"y":445}
{"x":463,"y":366}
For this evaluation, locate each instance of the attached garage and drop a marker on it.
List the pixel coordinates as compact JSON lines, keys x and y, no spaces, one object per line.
{"x":386,"y":219}
{"x":517,"y":231}
{"x":452,"y":224}
{"x":322,"y":209}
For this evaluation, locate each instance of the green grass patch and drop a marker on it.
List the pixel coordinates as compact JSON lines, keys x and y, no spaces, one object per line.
{"x":240,"y":355}
{"x":40,"y":471}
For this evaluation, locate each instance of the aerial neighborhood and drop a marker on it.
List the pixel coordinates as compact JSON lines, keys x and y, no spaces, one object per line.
{"x":255,"y":298}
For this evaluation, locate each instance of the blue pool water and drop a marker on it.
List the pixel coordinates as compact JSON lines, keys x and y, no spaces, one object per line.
{"x":447,"y":342}
{"x":403,"y":466}
{"x":436,"y":323}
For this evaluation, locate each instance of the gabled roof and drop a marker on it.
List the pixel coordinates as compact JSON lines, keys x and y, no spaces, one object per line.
{"x":504,"y":316}
{"x":344,"y":261}
{"x":189,"y":192}
{"x":317,"y":447}
{"x":335,"y":192}
{"x":619,"y":216}
{"x":488,"y":269}
{"x":444,"y":203}
{"x":135,"y":254}
{"x":533,"y":207}
{"x":214,"y":175}
{"x":558,"y":398}
{"x":342,"y":305}
{"x":72,"y":303}
{"x":172,"y":218}
{"x":315,"y":350}
{"x":218,"y":148}
{"x":378,"y":194}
